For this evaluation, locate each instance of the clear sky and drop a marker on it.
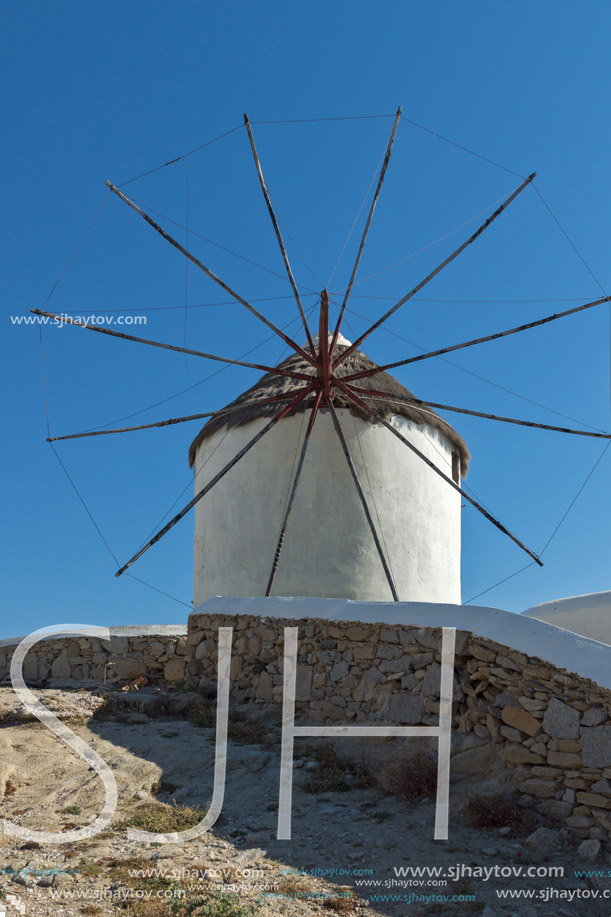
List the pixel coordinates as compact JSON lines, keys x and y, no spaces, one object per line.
{"x":109,"y":91}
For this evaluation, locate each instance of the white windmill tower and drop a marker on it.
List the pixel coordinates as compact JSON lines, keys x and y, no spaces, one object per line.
{"x":396,"y":534}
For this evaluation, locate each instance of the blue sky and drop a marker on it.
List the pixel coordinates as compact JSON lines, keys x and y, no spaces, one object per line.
{"x":108,"y":91}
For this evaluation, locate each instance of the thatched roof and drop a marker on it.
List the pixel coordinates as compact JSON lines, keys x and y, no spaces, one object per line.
{"x":270,"y":385}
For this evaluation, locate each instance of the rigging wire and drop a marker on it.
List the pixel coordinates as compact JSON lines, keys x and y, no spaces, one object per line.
{"x":73,"y":255}
{"x":195,"y":384}
{"x":500,"y":582}
{"x":90,"y":514}
{"x":585,"y":264}
{"x":485,"y":301}
{"x":570,"y":241}
{"x":430,"y":245}
{"x":201,"y":305}
{"x":186,"y":263}
{"x":420,"y":127}
{"x":443,"y":457}
{"x":294,"y":244}
{"x":311,"y":120}
{"x":50,"y":294}
{"x":461,"y":147}
{"x":555,"y":531}
{"x":483,"y":378}
{"x":191,"y":480}
{"x":228,"y":251}
{"x":576,"y":497}
{"x":100,"y":533}
{"x":356,"y":219}
{"x":178,"y":158}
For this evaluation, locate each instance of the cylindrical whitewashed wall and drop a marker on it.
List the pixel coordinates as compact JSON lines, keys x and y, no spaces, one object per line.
{"x":328,"y":550}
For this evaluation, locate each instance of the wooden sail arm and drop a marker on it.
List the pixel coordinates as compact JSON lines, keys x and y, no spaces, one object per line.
{"x":499,"y":525}
{"x":221,"y":474}
{"x":275,"y":370}
{"x":287,"y":340}
{"x":346,"y":353}
{"x":281,"y":245}
{"x":324,"y":363}
{"x":480,"y":340}
{"x":362,"y":498}
{"x":401,"y":399}
{"x":291,"y":500}
{"x":173,"y":420}
{"x":365,"y":232}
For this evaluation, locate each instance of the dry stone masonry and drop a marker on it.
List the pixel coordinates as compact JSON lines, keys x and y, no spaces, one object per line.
{"x":158,"y":654}
{"x":550,"y":729}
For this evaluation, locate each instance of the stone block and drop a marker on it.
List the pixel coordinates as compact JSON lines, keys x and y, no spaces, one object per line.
{"x":339,"y":671}
{"x":174,"y":670}
{"x":363,"y":652}
{"x":593,"y":799}
{"x":355,"y":633}
{"x":481,"y":653}
{"x":560,"y":720}
{"x":118,"y":645}
{"x":554,"y":808}
{"x":30,"y":667}
{"x":303,"y":686}
{"x":382,"y":651}
{"x":538,"y":786}
{"x":594,"y":716}
{"x":596,"y":746}
{"x":61,"y":666}
{"x":404,"y":709}
{"x":517,"y":754}
{"x":531,"y":703}
{"x":563,"y":759}
{"x":573,"y":745}
{"x":513,"y":735}
{"x":475,"y":762}
{"x":264,"y":688}
{"x":520,"y":719}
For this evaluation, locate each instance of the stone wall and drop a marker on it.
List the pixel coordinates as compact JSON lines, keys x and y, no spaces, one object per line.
{"x":550,"y":728}
{"x":154,"y":652}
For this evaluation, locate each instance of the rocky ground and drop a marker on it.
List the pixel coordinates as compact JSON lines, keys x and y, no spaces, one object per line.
{"x":354,"y":824}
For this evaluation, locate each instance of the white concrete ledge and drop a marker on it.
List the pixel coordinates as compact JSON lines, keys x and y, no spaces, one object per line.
{"x":564,"y":649}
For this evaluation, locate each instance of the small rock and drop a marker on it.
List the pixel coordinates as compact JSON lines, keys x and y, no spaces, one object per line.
{"x":544,"y":841}
{"x":207,"y":687}
{"x":589,"y":850}
{"x":594,"y":716}
{"x":134,"y":719}
{"x":504,"y":831}
{"x":601,"y":786}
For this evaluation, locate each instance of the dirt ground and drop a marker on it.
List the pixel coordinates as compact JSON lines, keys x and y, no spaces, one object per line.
{"x":354,"y":831}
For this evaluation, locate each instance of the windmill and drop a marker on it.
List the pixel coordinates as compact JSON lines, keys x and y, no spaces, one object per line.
{"x":327,"y":375}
